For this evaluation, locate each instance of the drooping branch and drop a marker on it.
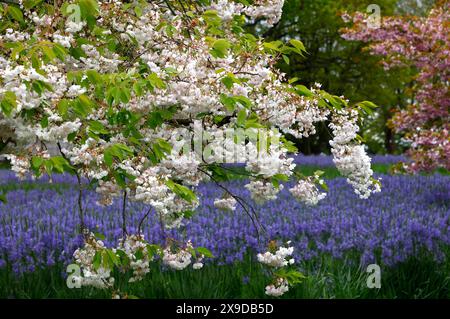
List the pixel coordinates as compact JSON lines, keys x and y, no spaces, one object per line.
{"x":142,"y":220}
{"x":83,"y":228}
{"x":124,"y":219}
{"x":249,"y":210}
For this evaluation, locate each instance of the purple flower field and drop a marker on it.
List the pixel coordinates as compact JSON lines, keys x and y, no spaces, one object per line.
{"x":325,"y":160}
{"x":38,"y":227}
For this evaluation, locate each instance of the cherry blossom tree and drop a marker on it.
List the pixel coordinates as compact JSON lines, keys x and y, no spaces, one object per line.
{"x":145,"y":100}
{"x":423,"y":43}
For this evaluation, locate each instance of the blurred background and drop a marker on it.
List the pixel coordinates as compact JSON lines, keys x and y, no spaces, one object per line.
{"x":346,"y":67}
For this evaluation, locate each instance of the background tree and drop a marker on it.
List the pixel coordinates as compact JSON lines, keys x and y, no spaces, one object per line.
{"x":343,"y":67}
{"x":420,"y":43}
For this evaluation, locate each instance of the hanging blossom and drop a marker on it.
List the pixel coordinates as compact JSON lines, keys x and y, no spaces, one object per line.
{"x":132,"y":255}
{"x":421,"y":43}
{"x":135,"y":248}
{"x":350,"y":158}
{"x":268,"y":10}
{"x":225,"y":203}
{"x":181,"y":257}
{"x":278,"y":260}
{"x":99,"y":277}
{"x":307,"y":192}
{"x":277,"y":289}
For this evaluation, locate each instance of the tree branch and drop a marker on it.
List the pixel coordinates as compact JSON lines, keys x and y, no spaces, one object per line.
{"x":83,"y":228}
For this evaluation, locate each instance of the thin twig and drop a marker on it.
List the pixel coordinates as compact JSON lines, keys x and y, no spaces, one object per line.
{"x":142,"y":220}
{"x":124,"y":220}
{"x":80,"y":194}
{"x":163,"y":230}
{"x":247,"y":207}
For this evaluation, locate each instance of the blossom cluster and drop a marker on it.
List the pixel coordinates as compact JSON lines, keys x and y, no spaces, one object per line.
{"x":277,"y":258}
{"x":134,"y":246}
{"x":181,"y":258}
{"x":307,"y":192}
{"x":99,"y":277}
{"x":133,"y":253}
{"x":350,"y":158}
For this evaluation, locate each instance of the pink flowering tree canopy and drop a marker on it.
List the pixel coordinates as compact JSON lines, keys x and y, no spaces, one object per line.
{"x":422,"y":43}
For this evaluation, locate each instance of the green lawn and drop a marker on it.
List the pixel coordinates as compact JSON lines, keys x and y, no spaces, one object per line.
{"x":326,"y":278}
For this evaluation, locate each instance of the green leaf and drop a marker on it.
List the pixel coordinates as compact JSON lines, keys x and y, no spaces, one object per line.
{"x":292,"y":276}
{"x":36,"y":162}
{"x":8,"y":103}
{"x":241,"y":116}
{"x":118,"y":151}
{"x":323,"y":185}
{"x":99,"y":236}
{"x":97,"y":127}
{"x":96,"y":262}
{"x":319,"y":173}
{"x":29,"y":4}
{"x":220,"y":48}
{"x":182,"y":191}
{"x":139,"y":254}
{"x":303,"y":91}
{"x":274,"y":45}
{"x":244,"y":101}
{"x":205,"y":252}
{"x":228,"y":102}
{"x":298,"y":45}
{"x":290,"y":146}
{"x":3,"y":198}
{"x":48,"y":52}
{"x":15,"y":13}
{"x":60,"y":164}
{"x":155,"y":81}
{"x":89,"y":11}
{"x":83,"y":105}
{"x":138,"y":11}
{"x":229,"y":81}
{"x":367,"y":106}
{"x":153,"y":250}
{"x":94,"y":77}
{"x":123,"y":257}
{"x":113,"y":257}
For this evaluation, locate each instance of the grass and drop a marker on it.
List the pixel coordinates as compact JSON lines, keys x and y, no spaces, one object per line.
{"x":327,"y":278}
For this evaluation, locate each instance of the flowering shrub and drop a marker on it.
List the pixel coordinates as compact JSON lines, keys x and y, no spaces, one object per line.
{"x":147,"y":100}
{"x":424,"y":44}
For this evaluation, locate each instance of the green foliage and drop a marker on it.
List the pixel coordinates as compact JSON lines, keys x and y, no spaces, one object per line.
{"x":220,"y":48}
{"x":204,"y":251}
{"x":56,"y":164}
{"x":159,"y":149}
{"x":182,"y":191}
{"x":117,"y":151}
{"x":8,"y":103}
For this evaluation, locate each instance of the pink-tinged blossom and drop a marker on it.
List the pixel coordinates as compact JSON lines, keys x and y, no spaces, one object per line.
{"x":422,"y":43}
